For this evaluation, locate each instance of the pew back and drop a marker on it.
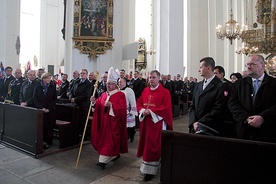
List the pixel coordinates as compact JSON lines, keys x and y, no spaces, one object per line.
{"x":22,"y":128}
{"x":193,"y":159}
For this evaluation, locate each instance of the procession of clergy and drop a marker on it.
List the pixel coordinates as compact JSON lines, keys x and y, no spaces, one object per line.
{"x":116,"y":102}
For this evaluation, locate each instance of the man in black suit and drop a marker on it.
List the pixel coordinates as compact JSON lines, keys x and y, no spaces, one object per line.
{"x":5,"y":83}
{"x":15,"y":86}
{"x":62,"y":93}
{"x":228,"y":129}
{"x":102,"y":85}
{"x":72,"y":83}
{"x":220,"y":73}
{"x":136,"y":85}
{"x":40,"y":71}
{"x":179,"y":84}
{"x":253,"y":103}
{"x":27,"y":90}
{"x":81,"y":96}
{"x":140,"y":76}
{"x":170,"y":84}
{"x":209,"y":100}
{"x":123,"y":75}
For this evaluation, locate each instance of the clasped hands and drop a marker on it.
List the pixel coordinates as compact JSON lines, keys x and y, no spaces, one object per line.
{"x":45,"y":110}
{"x":255,"y":121}
{"x":146,"y":112}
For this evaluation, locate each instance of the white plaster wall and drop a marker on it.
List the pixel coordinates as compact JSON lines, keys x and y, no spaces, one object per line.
{"x":198,"y":32}
{"x":9,"y":21}
{"x":3,"y":32}
{"x":30,"y":17}
{"x":52,"y":43}
{"x":175,"y":64}
{"x":164,"y":36}
{"x":128,"y":31}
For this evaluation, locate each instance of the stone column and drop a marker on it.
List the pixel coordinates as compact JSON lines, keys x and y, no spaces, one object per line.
{"x":9,"y":32}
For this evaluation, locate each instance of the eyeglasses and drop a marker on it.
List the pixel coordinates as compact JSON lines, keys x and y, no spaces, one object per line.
{"x":83,"y":73}
{"x":250,"y":64}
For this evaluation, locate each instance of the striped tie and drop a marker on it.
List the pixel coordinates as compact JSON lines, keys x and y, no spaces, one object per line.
{"x":256,"y":87}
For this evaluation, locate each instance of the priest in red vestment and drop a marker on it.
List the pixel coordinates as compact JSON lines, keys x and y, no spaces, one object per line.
{"x":155,"y":114}
{"x":108,"y":129}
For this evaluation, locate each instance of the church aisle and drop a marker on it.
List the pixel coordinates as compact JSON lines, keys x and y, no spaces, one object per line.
{"x":17,"y":167}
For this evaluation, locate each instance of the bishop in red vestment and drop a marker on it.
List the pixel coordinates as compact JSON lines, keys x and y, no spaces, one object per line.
{"x":108,"y":130}
{"x":155,"y":113}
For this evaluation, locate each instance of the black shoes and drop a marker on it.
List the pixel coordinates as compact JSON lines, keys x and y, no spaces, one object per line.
{"x":101,"y":165}
{"x":148,"y":177}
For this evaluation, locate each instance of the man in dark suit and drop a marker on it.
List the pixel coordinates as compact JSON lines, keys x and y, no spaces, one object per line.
{"x":15,"y":86}
{"x":220,"y":73}
{"x":140,"y":76}
{"x":81,"y":96}
{"x":170,"y":84}
{"x":27,"y":90}
{"x":5,"y":83}
{"x":136,"y":85}
{"x":102,"y":85}
{"x":179,"y":84}
{"x":209,"y":100}
{"x":62,"y":93}
{"x":228,"y":129}
{"x":72,"y":83}
{"x":123,"y":75}
{"x":253,"y":103}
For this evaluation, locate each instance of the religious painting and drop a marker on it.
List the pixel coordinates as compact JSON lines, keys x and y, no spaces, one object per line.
{"x":93,"y":26}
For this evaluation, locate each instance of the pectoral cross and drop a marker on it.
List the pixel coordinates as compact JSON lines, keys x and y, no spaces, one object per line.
{"x":149,"y":102}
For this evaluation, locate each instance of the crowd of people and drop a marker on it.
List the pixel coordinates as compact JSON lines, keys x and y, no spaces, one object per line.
{"x":243,"y":108}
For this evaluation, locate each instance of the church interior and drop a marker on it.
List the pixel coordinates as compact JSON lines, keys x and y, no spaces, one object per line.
{"x":65,"y":36}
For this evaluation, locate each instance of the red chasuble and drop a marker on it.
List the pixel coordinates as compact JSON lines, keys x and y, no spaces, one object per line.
{"x":109,"y":133}
{"x":159,"y":102}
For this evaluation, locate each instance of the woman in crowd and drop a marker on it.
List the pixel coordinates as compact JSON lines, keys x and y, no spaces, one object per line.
{"x":45,"y":98}
{"x":235,"y":76}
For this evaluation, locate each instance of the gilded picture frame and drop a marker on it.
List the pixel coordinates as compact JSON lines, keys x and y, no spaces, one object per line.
{"x":93,"y":26}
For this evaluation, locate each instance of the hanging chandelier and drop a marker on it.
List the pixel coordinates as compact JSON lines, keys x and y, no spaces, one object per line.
{"x":246,"y":49}
{"x":231,"y":29}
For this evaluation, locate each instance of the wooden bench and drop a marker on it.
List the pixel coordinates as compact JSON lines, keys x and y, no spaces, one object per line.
{"x":63,"y":132}
{"x":67,"y":125}
{"x":191,"y":159}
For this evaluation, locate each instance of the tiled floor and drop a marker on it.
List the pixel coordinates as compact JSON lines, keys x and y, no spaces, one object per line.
{"x":19,"y":168}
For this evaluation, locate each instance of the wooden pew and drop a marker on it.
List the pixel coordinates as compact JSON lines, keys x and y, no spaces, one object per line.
{"x":68,"y":133}
{"x":193,"y":159}
{"x":22,"y":128}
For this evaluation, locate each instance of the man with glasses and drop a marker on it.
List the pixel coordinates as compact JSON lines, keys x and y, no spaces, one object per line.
{"x":253,"y":103}
{"x":81,"y":95}
{"x":108,"y":130}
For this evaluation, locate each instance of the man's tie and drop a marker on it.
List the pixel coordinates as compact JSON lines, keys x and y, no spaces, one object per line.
{"x":204,"y":84}
{"x":256,"y":87}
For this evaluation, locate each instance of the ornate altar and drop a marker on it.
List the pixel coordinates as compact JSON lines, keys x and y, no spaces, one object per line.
{"x":93,"y":26}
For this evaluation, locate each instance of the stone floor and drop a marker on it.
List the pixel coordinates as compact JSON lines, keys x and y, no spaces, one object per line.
{"x":19,"y":168}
